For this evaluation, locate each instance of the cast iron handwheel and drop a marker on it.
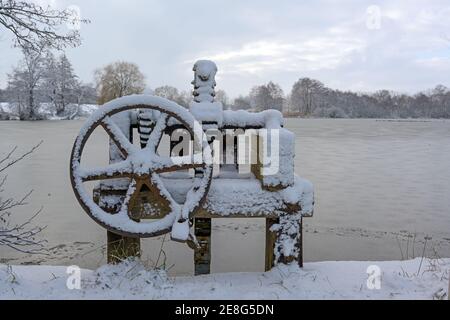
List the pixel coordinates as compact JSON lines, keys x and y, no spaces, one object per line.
{"x":142,"y":167}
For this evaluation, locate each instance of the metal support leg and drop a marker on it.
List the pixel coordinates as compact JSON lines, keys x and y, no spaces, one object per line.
{"x":202,"y":255}
{"x":300,"y":244}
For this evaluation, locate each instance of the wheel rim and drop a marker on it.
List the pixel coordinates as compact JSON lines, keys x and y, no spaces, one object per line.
{"x":141,"y":166}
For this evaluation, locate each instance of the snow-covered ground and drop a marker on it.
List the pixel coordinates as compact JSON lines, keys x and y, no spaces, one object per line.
{"x":414,"y":279}
{"x":47,"y":111}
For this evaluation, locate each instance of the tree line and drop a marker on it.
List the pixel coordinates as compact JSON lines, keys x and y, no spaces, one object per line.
{"x":310,"y":97}
{"x":307,"y":98}
{"x":43,"y":77}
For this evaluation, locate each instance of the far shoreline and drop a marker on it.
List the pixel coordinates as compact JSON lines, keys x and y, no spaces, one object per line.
{"x":285,"y":117}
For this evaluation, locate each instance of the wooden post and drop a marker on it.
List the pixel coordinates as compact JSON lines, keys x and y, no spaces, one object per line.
{"x":202,"y":255}
{"x":120,"y":248}
{"x":271,"y":238}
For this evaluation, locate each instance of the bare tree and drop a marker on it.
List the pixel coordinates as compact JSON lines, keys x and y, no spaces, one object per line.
{"x":269,"y":96}
{"x":18,"y":236}
{"x":173,"y":94}
{"x":222,"y":97}
{"x":242,"y":102}
{"x":117,"y":80}
{"x":304,"y":95}
{"x":32,"y":24}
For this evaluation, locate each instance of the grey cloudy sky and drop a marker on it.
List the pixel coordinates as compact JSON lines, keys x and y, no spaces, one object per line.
{"x":340,"y":43}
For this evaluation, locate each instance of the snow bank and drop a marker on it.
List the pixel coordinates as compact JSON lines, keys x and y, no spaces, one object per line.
{"x":47,"y":111}
{"x":319,"y":280}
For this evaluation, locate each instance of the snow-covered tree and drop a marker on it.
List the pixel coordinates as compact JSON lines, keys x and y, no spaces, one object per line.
{"x":332,"y":112}
{"x":44,"y":78}
{"x":440,"y":102}
{"x":24,"y":81}
{"x":15,"y":91}
{"x":33,"y":24}
{"x":61,"y":86}
{"x":49,"y":84}
{"x":117,"y":80}
{"x":66,"y":84}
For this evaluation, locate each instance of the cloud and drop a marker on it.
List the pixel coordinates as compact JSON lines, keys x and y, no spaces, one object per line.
{"x":301,"y":54}
{"x":438,"y":63}
{"x":256,"y":41}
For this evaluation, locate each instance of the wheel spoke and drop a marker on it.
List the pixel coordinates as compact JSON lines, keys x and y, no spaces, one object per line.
{"x":117,"y":136}
{"x":197,"y":194}
{"x":133,"y":190}
{"x":113,"y":171}
{"x":157,"y":133}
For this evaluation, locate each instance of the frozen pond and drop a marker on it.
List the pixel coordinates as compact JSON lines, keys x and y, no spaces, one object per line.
{"x":381,"y":187}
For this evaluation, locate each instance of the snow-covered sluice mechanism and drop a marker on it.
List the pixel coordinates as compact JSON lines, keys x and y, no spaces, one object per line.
{"x":191,"y":166}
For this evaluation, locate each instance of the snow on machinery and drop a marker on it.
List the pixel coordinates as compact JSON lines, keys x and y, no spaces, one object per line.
{"x":192,"y":166}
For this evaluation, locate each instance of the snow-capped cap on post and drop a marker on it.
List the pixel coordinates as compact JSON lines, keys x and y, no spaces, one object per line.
{"x":203,"y":108}
{"x":204,"y":81}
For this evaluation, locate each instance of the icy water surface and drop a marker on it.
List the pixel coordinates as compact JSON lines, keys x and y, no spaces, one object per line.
{"x":381,"y":188}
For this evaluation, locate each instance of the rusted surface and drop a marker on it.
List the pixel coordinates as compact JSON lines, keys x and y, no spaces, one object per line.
{"x":202,"y":255}
{"x":121,"y":245}
{"x":108,"y":125}
{"x":300,"y":245}
{"x":147,"y":202}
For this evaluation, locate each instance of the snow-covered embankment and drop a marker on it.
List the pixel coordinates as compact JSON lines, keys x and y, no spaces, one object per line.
{"x":414,"y":279}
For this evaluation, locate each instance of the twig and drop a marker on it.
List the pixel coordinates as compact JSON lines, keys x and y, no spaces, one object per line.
{"x":423,"y":254}
{"x":13,"y":162}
